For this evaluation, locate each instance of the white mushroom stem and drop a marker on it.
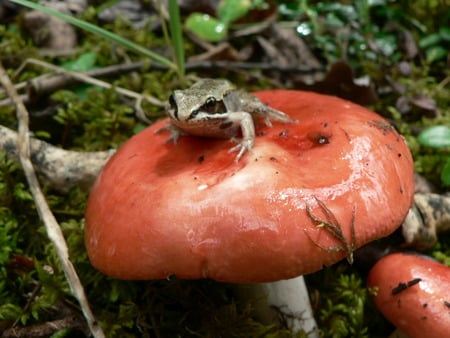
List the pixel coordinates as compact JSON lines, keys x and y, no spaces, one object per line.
{"x":285,"y":302}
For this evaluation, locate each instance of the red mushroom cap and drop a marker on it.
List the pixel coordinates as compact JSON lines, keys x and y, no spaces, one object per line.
{"x":187,"y":209}
{"x":413,"y":292}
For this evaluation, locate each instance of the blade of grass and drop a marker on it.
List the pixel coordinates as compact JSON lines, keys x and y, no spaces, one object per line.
{"x":177,"y":36}
{"x":100,"y":32}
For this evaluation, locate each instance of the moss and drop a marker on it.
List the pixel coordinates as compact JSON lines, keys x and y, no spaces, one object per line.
{"x":342,"y":303}
{"x":441,"y":251}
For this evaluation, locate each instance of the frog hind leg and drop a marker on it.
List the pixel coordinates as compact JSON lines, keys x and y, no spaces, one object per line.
{"x":260,"y":110}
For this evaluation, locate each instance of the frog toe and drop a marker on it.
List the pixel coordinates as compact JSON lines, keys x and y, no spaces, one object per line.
{"x":241,"y":148}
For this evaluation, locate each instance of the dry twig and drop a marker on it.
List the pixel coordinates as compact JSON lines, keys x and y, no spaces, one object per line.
{"x":58,"y":168}
{"x":44,"y":330}
{"x":53,"y":230}
{"x":90,"y":80}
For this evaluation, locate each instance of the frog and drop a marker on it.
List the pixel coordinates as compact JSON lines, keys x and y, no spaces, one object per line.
{"x":215,"y":108}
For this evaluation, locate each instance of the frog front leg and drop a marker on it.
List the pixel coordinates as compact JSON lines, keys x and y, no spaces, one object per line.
{"x":245,"y":121}
{"x":175,"y":132}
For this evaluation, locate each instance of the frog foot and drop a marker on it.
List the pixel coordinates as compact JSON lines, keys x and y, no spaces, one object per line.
{"x":175,"y":132}
{"x":241,"y":147}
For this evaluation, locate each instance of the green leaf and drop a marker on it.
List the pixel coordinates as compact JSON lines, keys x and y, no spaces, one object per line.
{"x":291,"y":10}
{"x":435,"y":53}
{"x":430,"y":40}
{"x":436,"y":137}
{"x":206,"y":27}
{"x":444,"y":32}
{"x":231,"y":10}
{"x":42,"y":134}
{"x":83,"y":63}
{"x":11,"y":311}
{"x":176,"y":35}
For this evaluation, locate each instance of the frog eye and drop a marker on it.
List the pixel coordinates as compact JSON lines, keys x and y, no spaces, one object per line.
{"x":213,"y":106}
{"x":210,"y":101}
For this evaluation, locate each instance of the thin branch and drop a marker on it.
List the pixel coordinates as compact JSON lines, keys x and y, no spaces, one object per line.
{"x":80,"y":76}
{"x":260,"y":66}
{"x":53,"y":229}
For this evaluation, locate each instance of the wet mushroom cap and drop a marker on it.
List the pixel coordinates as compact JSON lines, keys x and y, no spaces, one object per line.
{"x":413,"y":292}
{"x":187,"y":209}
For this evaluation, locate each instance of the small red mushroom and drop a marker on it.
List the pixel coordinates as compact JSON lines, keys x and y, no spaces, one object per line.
{"x":307,"y":195}
{"x":413,"y":292}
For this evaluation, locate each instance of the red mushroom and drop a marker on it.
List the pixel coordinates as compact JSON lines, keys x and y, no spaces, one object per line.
{"x":413,"y":292}
{"x":307,"y":195}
